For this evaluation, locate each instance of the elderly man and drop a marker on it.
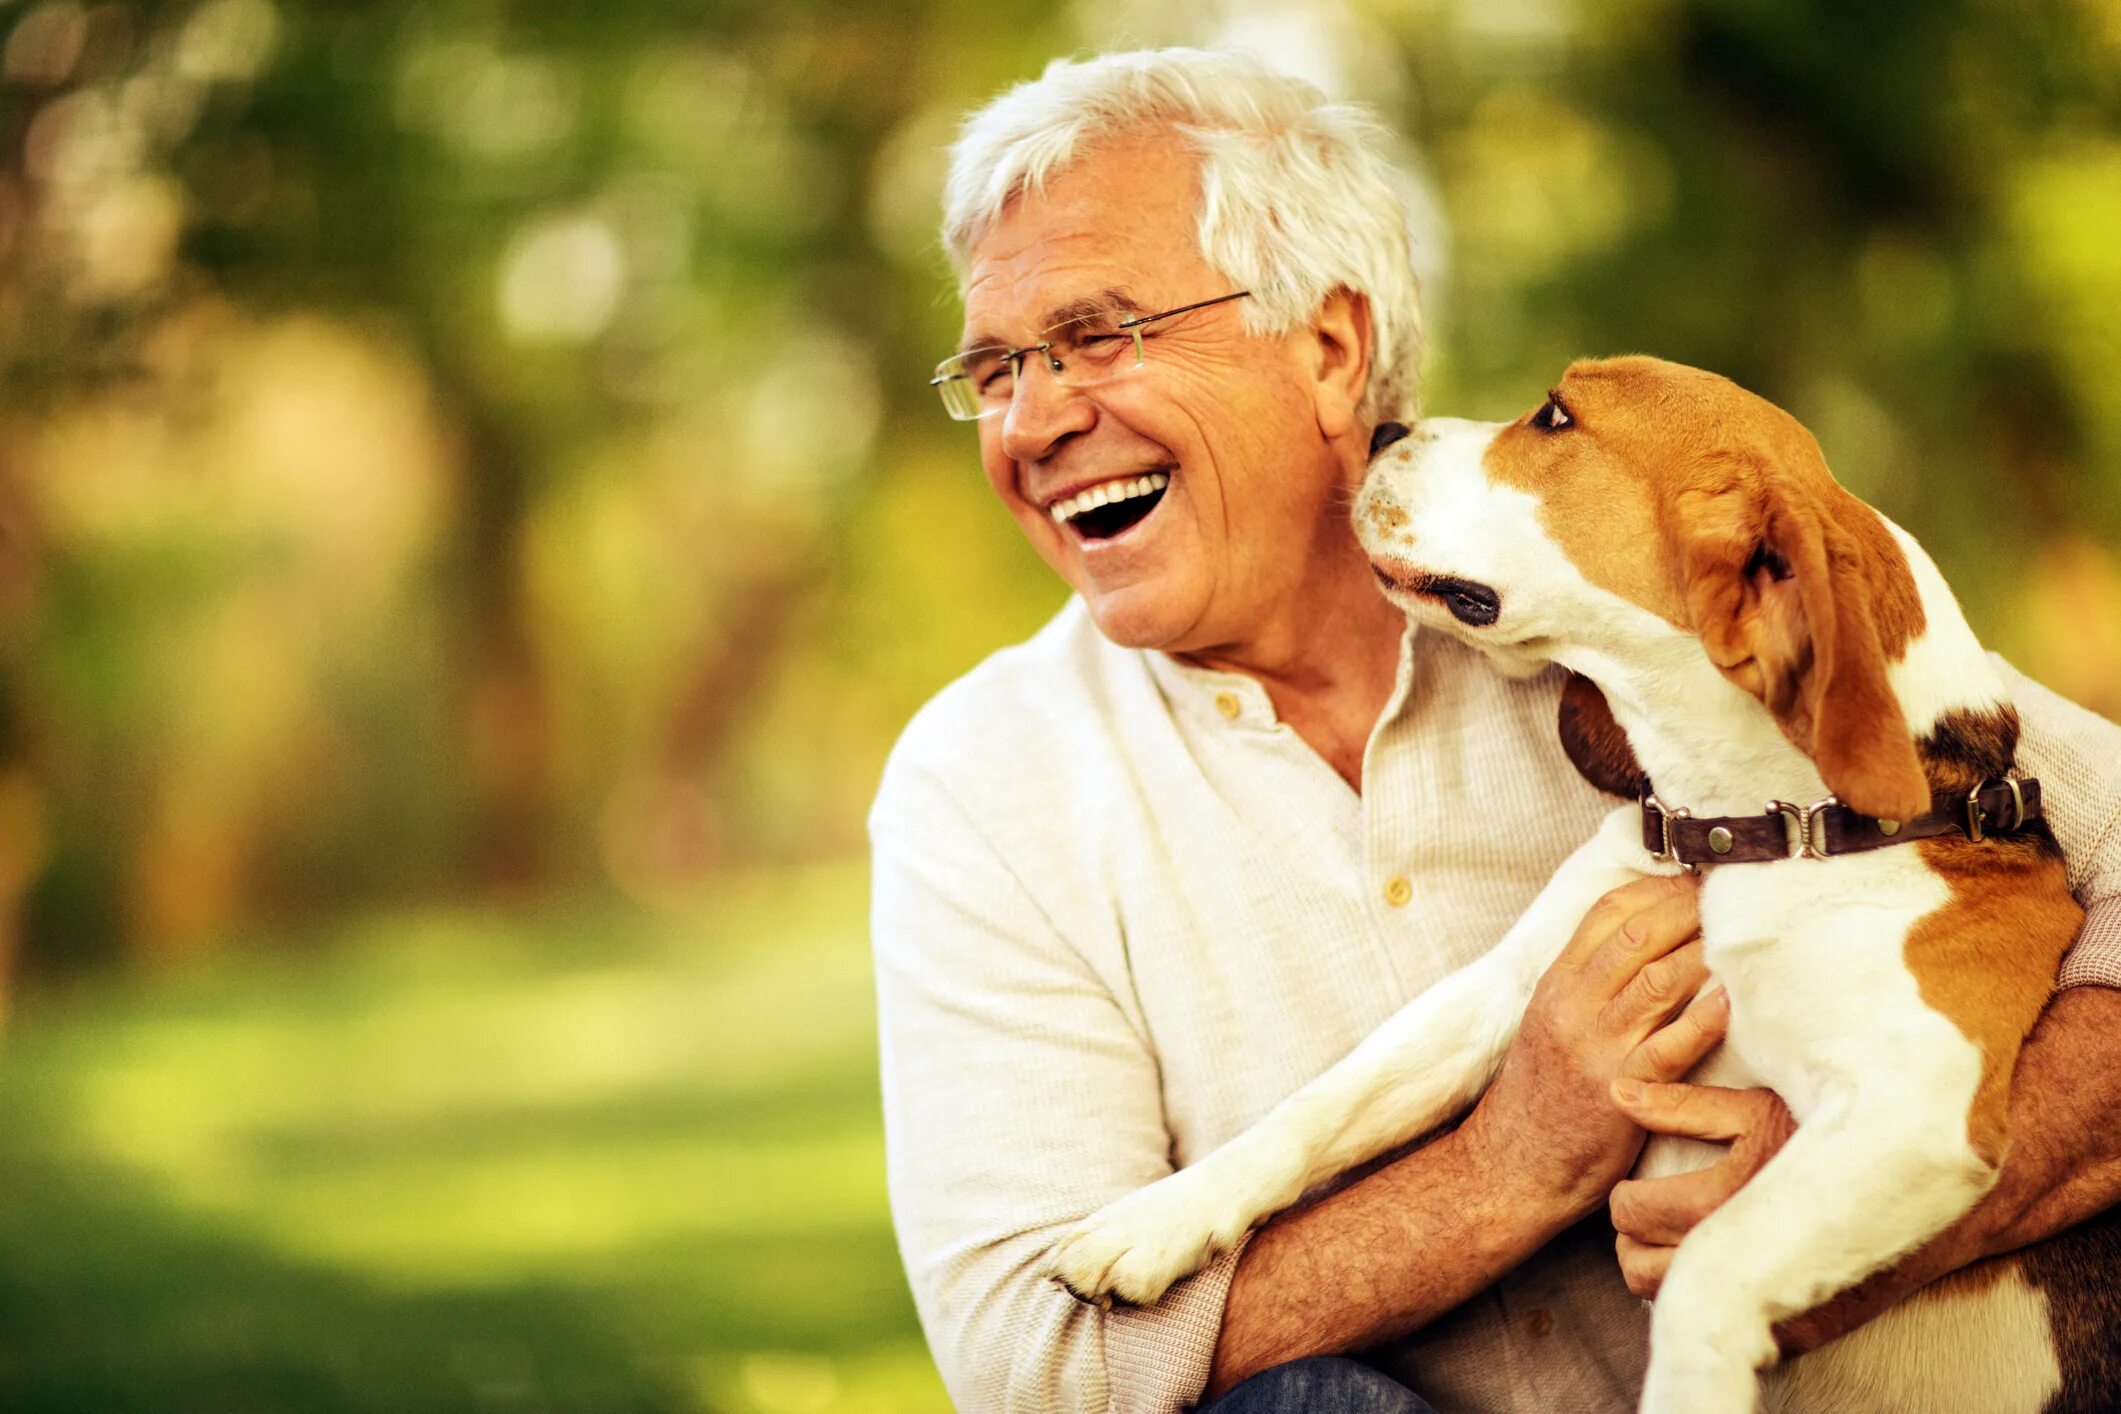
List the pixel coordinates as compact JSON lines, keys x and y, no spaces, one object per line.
{"x":1142,"y":876}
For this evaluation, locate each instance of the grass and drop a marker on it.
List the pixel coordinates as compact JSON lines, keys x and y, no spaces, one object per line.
{"x":460,"y":1162}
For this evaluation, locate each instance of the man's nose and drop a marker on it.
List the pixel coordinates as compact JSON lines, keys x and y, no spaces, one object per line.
{"x":1042,"y":412}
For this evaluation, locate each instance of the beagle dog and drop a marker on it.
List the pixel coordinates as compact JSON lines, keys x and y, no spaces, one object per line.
{"x":1781,"y":680}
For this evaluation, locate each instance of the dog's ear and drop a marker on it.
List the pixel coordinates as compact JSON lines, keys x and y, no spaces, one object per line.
{"x":1779,"y":593}
{"x":1595,"y":743}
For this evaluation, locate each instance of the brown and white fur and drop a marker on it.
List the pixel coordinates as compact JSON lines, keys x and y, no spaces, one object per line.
{"x":1757,"y":634}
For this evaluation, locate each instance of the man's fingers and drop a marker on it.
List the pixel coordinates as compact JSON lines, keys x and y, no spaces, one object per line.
{"x":1708,"y":1112}
{"x":1657,"y":993}
{"x":1644,"y":936}
{"x":1616,"y":907}
{"x":1660,"y":1211}
{"x":1642,"y":1265}
{"x":1677,"y":1047}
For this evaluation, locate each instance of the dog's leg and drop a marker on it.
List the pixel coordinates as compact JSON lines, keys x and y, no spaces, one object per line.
{"x":1868,"y":1176}
{"x":1422,"y":1066}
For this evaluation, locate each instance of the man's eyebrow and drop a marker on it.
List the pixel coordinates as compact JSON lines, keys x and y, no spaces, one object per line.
{"x":1106,"y":301}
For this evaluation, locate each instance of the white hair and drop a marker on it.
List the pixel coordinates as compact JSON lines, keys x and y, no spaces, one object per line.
{"x":1296,"y":197}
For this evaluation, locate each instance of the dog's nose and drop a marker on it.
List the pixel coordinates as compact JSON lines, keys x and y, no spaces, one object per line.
{"x":1386,"y":434}
{"x":1471,"y":603}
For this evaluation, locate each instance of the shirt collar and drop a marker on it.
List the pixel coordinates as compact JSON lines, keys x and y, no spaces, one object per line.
{"x":1230,"y":698}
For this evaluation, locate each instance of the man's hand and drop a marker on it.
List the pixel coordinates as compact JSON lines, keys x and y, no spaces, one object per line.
{"x":1606,"y":1008}
{"x":1652,"y":1214}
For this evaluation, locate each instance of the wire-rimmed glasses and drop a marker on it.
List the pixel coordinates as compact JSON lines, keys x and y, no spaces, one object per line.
{"x":1079,"y":352}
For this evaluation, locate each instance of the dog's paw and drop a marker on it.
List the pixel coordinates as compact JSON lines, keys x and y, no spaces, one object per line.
{"x":1132,"y":1250}
{"x":1700,"y":1365}
{"x":1699,"y":1387}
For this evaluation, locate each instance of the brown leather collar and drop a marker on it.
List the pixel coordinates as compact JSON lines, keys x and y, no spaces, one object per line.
{"x":1827,"y":827}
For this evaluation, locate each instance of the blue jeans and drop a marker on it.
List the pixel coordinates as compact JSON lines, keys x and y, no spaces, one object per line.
{"x":1323,"y":1384}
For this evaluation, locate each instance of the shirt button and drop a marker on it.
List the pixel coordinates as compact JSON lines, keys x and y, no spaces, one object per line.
{"x":1227,"y":704}
{"x":1398,"y":891}
{"x":1539,"y":1321}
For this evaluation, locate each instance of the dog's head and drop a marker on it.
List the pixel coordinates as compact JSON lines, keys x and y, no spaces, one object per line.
{"x":1644,"y":500}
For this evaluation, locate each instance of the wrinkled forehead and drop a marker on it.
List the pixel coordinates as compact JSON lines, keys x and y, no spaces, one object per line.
{"x":1120,"y":216}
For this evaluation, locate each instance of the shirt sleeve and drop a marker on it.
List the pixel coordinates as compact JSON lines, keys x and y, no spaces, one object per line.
{"x":1019,"y":1097}
{"x":2077,"y":757}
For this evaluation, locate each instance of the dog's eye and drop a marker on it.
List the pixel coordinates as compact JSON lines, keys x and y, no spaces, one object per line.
{"x":1552,"y":415}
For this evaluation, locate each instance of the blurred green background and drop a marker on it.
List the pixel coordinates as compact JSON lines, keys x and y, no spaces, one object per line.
{"x":472,"y":522}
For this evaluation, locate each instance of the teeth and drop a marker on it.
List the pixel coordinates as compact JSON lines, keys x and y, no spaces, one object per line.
{"x":1125,"y":489}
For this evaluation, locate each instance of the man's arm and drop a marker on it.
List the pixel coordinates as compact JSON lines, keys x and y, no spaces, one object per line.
{"x":2077,"y":756}
{"x":1393,"y":1251}
{"x":1018,"y":1097}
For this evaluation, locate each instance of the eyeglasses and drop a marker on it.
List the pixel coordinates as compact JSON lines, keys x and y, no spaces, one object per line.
{"x":1080,"y":353}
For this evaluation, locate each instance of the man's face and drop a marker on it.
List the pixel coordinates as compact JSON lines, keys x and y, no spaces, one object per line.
{"x":1229,"y":417}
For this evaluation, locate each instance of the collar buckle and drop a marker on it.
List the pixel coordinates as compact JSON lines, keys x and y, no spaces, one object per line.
{"x":1664,"y":853}
{"x":1977,"y":818}
{"x":1806,"y":825}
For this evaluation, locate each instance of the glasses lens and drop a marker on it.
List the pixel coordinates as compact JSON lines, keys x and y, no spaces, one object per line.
{"x":974,"y":384}
{"x":1090,"y":349}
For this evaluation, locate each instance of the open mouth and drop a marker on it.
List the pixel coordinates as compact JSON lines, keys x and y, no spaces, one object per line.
{"x":1472,"y":604}
{"x":1113,"y":507}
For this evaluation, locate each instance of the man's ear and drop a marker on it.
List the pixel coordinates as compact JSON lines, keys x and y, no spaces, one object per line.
{"x":1340,"y":361}
{"x":1779,"y":593}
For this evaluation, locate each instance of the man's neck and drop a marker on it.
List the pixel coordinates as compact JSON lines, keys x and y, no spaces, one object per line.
{"x":1328,"y":666}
